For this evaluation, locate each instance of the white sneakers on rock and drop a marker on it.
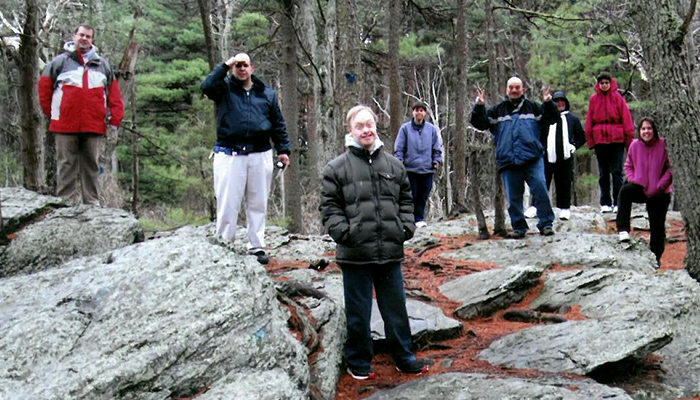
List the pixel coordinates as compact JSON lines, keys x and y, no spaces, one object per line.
{"x":614,"y":209}
{"x":421,"y":224}
{"x":531,"y":212}
{"x":565,"y":214}
{"x":623,"y":237}
{"x":606,"y":209}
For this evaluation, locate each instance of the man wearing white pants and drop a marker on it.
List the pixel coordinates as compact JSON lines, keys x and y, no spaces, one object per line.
{"x":248,"y":117}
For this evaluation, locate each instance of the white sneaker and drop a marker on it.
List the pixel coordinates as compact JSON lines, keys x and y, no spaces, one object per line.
{"x":530,"y":212}
{"x":623,"y":237}
{"x":565,"y":214}
{"x":605,"y":209}
{"x":420,"y":224}
{"x":615,"y":209}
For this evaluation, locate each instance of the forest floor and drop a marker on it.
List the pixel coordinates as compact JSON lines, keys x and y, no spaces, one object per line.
{"x":426,"y":272}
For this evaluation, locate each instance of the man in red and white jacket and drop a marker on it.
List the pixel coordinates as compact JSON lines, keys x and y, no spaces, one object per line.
{"x":79,"y":92}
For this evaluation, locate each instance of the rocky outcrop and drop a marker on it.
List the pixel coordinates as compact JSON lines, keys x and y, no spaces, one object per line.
{"x":460,"y":386}
{"x":484,"y":293}
{"x":156,"y":320}
{"x":65,"y":234}
{"x":20,"y":206}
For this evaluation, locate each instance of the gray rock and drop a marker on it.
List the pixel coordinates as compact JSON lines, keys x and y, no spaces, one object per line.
{"x":428,"y":323}
{"x":66,"y":234}
{"x":580,"y":347}
{"x":669,"y":300}
{"x":329,"y":316}
{"x":460,"y":386}
{"x":581,"y":249}
{"x":484,"y":293}
{"x":304,"y":248}
{"x":20,"y":206}
{"x":255,"y":385}
{"x":161,"y":319}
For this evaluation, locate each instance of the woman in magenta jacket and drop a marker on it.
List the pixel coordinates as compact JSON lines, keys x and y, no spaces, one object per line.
{"x":649,"y":180}
{"x":609,"y":131}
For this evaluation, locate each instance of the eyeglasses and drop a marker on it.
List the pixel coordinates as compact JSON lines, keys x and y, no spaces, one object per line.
{"x":604,"y":82}
{"x":241,"y":65}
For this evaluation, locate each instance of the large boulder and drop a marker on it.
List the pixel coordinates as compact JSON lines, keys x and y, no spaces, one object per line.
{"x":460,"y":386}
{"x":156,"y":320}
{"x":20,"y":206}
{"x":68,"y":233}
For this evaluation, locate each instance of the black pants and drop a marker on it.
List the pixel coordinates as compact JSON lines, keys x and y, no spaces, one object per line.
{"x":421,"y":185}
{"x":657,"y":207}
{"x":563,"y":173}
{"x":611,"y":158}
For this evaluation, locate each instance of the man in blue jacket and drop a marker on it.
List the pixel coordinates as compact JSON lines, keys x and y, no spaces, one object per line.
{"x":515,"y":126}
{"x":247,"y":118}
{"x":419,"y":146}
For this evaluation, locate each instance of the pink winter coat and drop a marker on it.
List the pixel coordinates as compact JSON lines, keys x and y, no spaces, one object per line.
{"x":647,"y":165}
{"x":608,"y":119}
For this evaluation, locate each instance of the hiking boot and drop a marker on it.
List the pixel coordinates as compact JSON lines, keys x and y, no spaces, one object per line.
{"x":606,"y":209}
{"x":516,"y":235}
{"x":565,"y":214}
{"x":361,"y":375}
{"x":415,"y":367}
{"x":547,"y":231}
{"x":623,"y":237}
{"x":262,"y":257}
{"x":531,"y":212}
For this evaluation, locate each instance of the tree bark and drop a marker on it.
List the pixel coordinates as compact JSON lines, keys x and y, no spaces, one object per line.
{"x":460,"y":178}
{"x":290,"y":109}
{"x":28,"y":64}
{"x":3,"y":236}
{"x":347,"y":72}
{"x":665,"y":42}
{"x":394,"y":67}
{"x":206,"y":27}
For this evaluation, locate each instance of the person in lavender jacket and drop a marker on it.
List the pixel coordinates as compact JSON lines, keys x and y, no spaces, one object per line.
{"x":649,"y":180}
{"x":418,"y":146}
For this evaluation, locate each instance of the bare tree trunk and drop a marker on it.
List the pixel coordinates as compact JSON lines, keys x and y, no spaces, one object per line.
{"x":460,"y":178}
{"x":394,"y":67}
{"x":664,"y":35}
{"x":347,"y":69}
{"x":28,"y":64}
{"x":206,"y":27}
{"x":134,"y":154}
{"x":290,"y":109}
{"x":499,"y":224}
{"x":3,"y":235}
{"x":50,"y":160}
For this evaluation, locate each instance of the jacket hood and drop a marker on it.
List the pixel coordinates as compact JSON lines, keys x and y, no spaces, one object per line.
{"x":561,"y":96}
{"x":89,"y":56}
{"x":613,"y":87}
{"x":351,"y":142}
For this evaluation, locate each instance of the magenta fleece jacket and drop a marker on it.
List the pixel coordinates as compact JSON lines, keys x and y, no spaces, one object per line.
{"x":647,"y":165}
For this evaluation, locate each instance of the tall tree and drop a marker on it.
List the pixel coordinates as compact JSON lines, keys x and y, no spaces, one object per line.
{"x":663,"y":27}
{"x":394,"y":67}
{"x":459,"y":137}
{"x":206,"y":27}
{"x":28,"y":64}
{"x":290,"y":109}
{"x":347,"y":71}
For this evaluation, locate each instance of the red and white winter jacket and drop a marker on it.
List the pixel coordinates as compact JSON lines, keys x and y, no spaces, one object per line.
{"x":80,"y":93}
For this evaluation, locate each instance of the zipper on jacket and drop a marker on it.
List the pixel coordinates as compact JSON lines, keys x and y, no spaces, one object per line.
{"x":375,"y":189}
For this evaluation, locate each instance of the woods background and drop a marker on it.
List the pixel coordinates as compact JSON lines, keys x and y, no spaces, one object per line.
{"x":323,"y":56}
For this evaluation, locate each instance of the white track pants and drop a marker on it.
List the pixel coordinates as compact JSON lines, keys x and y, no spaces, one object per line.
{"x":235,"y":176}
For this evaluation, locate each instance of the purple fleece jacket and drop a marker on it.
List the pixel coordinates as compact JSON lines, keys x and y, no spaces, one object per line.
{"x":647,"y":165}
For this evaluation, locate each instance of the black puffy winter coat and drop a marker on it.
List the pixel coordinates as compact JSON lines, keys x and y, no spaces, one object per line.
{"x":366,"y":206}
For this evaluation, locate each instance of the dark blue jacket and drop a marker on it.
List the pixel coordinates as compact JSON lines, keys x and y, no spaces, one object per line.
{"x":246,"y":121}
{"x":515,"y":128}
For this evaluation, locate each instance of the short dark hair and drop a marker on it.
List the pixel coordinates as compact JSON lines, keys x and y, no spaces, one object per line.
{"x":419,"y":104}
{"x":604,"y":75}
{"x":651,"y":122}
{"x":86,"y":26}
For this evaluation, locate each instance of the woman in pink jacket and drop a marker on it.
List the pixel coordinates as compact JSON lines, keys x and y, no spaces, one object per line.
{"x":649,"y":181}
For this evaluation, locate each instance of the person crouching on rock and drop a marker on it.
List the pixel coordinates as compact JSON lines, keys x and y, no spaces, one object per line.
{"x":649,"y":181}
{"x":367,"y":209}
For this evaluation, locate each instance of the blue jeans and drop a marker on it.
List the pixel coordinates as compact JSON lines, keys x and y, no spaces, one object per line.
{"x":610,"y":161}
{"x":391,"y":299}
{"x":421,"y":185}
{"x":514,"y":178}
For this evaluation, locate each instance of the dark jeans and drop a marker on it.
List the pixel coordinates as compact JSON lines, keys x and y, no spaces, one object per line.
{"x":391,"y":299}
{"x":514,"y":179}
{"x":563,"y":174}
{"x":421,"y":185}
{"x":656,"y":208}
{"x":610,"y":161}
